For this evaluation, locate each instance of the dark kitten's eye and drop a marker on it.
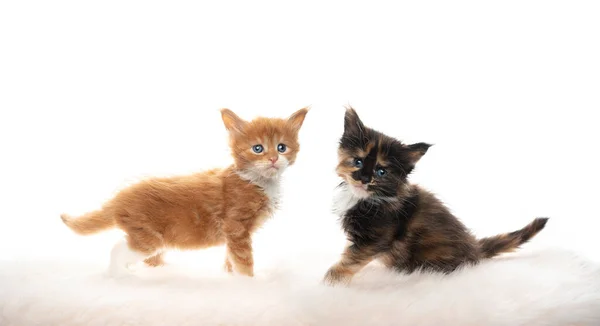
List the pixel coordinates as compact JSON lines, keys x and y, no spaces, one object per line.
{"x":358,"y":163}
{"x":381,"y":172}
{"x":257,"y":149}
{"x":281,"y":148}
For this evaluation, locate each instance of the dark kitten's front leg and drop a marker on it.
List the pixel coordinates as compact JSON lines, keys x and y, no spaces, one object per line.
{"x":396,"y":257}
{"x":353,"y":260}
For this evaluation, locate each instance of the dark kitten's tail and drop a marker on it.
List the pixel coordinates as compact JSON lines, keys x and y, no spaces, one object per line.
{"x":508,"y":242}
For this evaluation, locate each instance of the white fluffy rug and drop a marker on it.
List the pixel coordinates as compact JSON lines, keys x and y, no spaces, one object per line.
{"x":549,"y":287}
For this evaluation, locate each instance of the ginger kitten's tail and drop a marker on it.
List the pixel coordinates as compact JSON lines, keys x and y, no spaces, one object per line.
{"x":89,"y":223}
{"x":508,"y":242}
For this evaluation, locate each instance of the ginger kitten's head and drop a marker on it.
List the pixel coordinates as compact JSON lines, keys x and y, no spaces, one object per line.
{"x":372,"y":164}
{"x":263,"y":147}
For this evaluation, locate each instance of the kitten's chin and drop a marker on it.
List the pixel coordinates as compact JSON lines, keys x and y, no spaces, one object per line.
{"x":259,"y":176}
{"x":271,"y":173}
{"x":359,"y":191}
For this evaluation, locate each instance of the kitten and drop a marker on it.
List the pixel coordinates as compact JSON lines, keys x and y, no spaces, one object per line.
{"x":404,"y":226}
{"x":215,"y":207}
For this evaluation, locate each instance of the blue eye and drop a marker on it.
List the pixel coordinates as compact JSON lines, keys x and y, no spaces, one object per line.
{"x":381,"y":172}
{"x":281,"y":148}
{"x":257,"y":149}
{"x":358,"y":163}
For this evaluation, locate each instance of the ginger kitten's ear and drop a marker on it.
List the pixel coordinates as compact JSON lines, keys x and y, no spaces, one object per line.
{"x":417,"y":151}
{"x":352,"y":123}
{"x":295,"y":120}
{"x":232,"y":121}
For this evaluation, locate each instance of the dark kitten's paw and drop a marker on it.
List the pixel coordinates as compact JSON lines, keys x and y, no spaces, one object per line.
{"x":337,"y":276}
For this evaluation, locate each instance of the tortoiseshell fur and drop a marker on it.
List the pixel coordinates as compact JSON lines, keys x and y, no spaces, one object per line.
{"x":404,"y":226}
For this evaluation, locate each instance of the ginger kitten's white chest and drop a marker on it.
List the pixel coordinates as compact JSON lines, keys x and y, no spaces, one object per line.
{"x":270,"y":187}
{"x":273,"y":192}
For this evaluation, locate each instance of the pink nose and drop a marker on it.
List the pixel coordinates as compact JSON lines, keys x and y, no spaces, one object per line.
{"x":273,"y":159}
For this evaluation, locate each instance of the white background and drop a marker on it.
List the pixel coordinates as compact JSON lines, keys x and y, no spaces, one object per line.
{"x":95,"y":95}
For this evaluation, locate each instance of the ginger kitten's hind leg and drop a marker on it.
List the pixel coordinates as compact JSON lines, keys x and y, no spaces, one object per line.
{"x":122,"y":257}
{"x":131,"y":250}
{"x":156,"y":260}
{"x":141,"y":243}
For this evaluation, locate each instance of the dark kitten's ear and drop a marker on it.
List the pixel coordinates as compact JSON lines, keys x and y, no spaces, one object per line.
{"x":352,"y":123}
{"x":232,"y":122}
{"x":295,"y":120}
{"x":417,"y":151}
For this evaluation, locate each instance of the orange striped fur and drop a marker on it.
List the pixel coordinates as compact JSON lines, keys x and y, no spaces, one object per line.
{"x":211,"y":208}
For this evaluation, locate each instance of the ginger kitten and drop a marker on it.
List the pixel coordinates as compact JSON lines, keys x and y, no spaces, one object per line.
{"x":215,"y":207}
{"x":404,"y":226}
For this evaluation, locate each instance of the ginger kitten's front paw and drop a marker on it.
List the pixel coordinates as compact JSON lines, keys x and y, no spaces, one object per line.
{"x":337,"y":276}
{"x":239,"y":269}
{"x":246,"y":270}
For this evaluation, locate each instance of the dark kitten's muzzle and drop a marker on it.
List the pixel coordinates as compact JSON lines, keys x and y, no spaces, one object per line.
{"x":365,"y":179}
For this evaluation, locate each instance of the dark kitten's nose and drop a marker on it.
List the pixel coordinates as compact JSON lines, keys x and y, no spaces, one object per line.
{"x":365,"y":179}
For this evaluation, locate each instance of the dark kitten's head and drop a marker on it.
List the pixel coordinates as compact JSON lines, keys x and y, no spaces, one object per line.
{"x":373,"y":164}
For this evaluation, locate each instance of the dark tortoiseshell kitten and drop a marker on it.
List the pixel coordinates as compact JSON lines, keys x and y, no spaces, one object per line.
{"x":404,"y":226}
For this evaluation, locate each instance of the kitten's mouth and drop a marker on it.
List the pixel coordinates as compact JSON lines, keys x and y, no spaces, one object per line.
{"x":359,"y":190}
{"x":360,"y":187}
{"x":271,"y":171}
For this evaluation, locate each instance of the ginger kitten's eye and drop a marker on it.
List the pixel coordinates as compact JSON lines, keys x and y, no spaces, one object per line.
{"x":281,"y":148}
{"x":258,"y":149}
{"x":381,"y":172}
{"x":358,"y":163}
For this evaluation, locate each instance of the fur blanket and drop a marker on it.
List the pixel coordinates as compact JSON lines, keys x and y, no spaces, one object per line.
{"x":548,"y":287}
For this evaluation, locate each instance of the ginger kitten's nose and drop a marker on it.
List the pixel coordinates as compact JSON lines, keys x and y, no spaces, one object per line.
{"x":365,"y":179}
{"x":274,"y":159}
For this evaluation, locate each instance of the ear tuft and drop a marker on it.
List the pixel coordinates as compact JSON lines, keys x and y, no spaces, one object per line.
{"x":417,"y":151}
{"x":232,"y":122}
{"x":352,"y":123}
{"x":297,"y":118}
